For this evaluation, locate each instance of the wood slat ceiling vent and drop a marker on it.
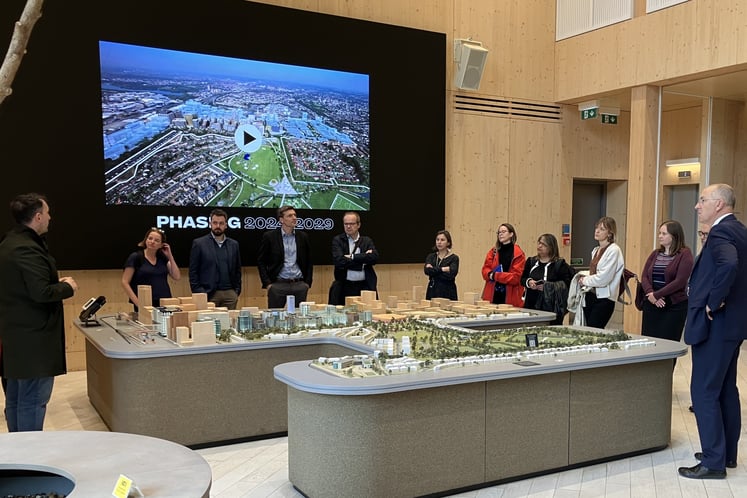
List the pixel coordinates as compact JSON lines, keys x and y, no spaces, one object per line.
{"x":508,"y":108}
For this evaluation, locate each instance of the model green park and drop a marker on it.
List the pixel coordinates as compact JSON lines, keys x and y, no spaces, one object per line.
{"x":429,"y":343}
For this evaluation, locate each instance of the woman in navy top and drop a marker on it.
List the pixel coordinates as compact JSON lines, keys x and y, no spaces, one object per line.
{"x":150,"y":265}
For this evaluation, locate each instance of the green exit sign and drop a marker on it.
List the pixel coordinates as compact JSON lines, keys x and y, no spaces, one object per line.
{"x":589,"y":113}
{"x":609,"y":119}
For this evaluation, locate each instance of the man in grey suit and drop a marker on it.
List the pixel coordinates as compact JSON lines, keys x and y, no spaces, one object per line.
{"x":715,"y":328}
{"x":215,"y":263}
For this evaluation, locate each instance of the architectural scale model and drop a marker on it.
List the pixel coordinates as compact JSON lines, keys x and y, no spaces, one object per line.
{"x":403,"y":337}
{"x":193,"y":321}
{"x":414,"y":345}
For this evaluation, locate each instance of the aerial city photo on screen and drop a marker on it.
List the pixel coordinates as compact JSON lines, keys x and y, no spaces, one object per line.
{"x":187,"y":129}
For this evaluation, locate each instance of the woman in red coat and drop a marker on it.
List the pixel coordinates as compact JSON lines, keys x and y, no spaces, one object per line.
{"x":502,"y":269}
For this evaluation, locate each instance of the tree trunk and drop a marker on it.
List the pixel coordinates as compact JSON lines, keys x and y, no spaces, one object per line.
{"x":17,"y":49}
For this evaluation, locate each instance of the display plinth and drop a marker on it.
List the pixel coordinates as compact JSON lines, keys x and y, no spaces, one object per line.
{"x":202,"y":395}
{"x":435,"y":432}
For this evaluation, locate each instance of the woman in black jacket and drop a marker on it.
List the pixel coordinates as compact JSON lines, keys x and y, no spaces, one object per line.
{"x":546,"y":278}
{"x":442,"y":266}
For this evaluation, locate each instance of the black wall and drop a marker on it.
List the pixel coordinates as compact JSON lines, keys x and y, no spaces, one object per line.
{"x":51,"y":134}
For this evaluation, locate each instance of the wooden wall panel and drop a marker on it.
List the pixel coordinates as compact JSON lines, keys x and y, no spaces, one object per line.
{"x":501,"y":171}
{"x":521,"y":39}
{"x":477,"y":189}
{"x":592,"y":150}
{"x":519,"y":35}
{"x":686,"y":39}
{"x":725,"y":116}
{"x":431,"y":15}
{"x":642,"y":187}
{"x":680,"y":133}
{"x":740,"y":160}
{"x":534,"y":196}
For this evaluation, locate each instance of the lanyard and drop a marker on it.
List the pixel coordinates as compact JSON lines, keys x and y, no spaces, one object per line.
{"x":536,"y":264}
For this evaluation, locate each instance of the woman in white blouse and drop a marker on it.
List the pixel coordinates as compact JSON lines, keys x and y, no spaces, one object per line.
{"x":605,"y":271}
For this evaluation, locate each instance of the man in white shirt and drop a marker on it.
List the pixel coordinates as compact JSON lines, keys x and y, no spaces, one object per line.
{"x":354,"y":256}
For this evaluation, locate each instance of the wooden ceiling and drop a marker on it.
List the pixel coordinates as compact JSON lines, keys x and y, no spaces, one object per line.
{"x":731,"y":86}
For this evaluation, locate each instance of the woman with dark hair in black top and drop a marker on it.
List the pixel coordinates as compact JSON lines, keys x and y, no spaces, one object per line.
{"x":442,"y":266}
{"x":546,"y":278}
{"x":151,"y":264}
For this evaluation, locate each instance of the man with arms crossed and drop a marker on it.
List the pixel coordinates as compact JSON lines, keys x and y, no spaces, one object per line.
{"x":32,"y":325}
{"x":354,"y":256}
{"x":215,"y":263}
{"x":715,"y":329}
{"x":284,"y":261}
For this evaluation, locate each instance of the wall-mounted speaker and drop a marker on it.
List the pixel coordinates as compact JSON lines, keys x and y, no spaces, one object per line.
{"x":470,"y":58}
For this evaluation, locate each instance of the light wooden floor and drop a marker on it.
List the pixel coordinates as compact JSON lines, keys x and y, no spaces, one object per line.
{"x":260,"y":469}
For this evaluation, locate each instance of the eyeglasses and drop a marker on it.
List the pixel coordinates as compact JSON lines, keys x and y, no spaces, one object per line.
{"x":703,"y":199}
{"x":156,"y":229}
{"x":502,"y":231}
{"x":350,"y":224}
{"x":702,"y":234}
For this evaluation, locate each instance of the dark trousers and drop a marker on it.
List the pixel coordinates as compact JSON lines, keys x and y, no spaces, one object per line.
{"x":665,"y":323}
{"x":715,"y":396}
{"x":353,"y":288}
{"x":225,"y":298}
{"x":278,"y":291}
{"x":598,"y":311}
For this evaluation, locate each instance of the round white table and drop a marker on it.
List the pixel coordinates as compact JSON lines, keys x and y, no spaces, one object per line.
{"x":94,"y":460}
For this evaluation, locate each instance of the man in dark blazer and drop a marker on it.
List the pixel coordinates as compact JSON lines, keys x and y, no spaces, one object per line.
{"x":716,"y":326}
{"x":215,"y":263}
{"x":354,"y":256}
{"x":284,"y":261}
{"x":32,"y":324}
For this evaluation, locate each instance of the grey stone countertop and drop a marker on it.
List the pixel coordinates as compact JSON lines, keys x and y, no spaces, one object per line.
{"x":113,"y":345}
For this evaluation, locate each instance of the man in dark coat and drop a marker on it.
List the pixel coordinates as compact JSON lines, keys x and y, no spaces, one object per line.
{"x":354,"y":256}
{"x":284,"y":261}
{"x":215,"y":263}
{"x":32,"y":327}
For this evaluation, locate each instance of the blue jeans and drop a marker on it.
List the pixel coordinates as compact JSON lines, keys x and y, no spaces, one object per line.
{"x":26,"y":403}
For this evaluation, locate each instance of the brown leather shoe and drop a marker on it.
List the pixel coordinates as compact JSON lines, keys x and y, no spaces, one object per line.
{"x":701,"y":472}
{"x":732,"y":464}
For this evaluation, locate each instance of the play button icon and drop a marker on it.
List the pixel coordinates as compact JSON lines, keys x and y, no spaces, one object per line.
{"x":248,"y":138}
